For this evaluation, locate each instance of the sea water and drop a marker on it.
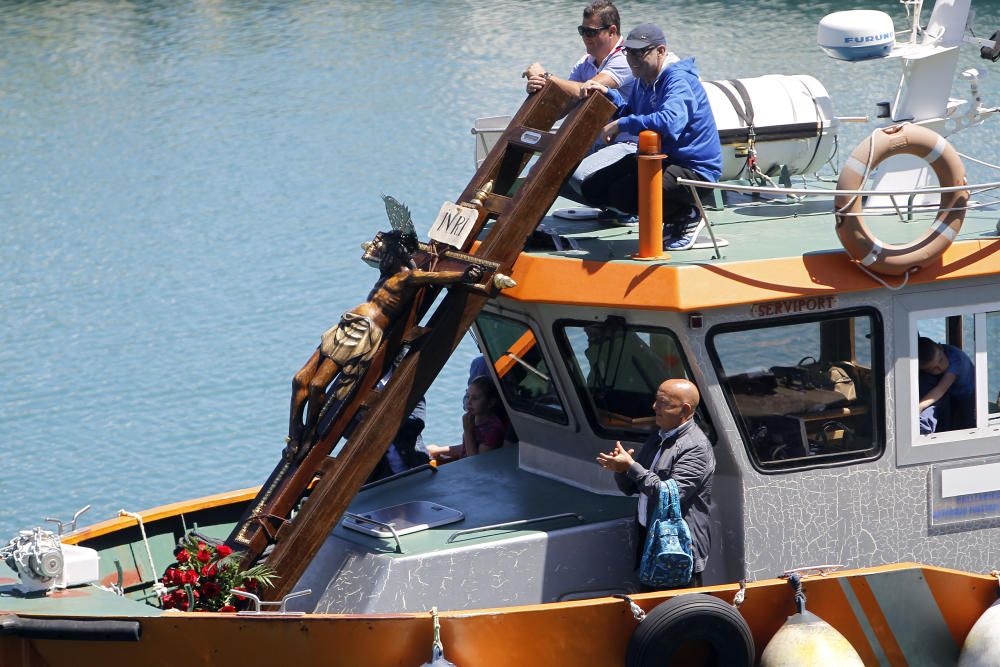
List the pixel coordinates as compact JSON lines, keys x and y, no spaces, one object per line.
{"x":185,"y":186}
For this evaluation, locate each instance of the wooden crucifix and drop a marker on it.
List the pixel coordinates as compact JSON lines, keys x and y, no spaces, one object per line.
{"x":325,"y":384}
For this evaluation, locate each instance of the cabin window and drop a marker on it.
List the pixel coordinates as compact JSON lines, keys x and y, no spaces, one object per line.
{"x":805,"y":391}
{"x":617,"y":368}
{"x":517,"y":359}
{"x":948,"y":370}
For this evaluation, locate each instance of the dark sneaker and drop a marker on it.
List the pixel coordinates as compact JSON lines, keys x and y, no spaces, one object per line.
{"x":616,"y":217}
{"x":681,"y":235}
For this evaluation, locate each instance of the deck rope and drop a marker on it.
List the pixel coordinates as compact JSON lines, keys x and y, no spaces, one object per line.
{"x":878,"y":279}
{"x":158,"y":586}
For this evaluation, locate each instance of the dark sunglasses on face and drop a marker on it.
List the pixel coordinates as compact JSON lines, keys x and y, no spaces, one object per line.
{"x":590,"y":32}
{"x":638,"y":54}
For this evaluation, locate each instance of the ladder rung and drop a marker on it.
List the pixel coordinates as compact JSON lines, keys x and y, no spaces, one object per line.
{"x":497,"y":204}
{"x":529,"y":138}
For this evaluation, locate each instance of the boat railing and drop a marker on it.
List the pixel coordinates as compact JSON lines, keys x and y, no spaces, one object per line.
{"x":800,"y":193}
{"x":381,"y":524}
{"x":513,"y":524}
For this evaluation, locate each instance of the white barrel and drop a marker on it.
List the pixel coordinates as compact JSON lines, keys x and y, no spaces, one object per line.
{"x":792,"y":118}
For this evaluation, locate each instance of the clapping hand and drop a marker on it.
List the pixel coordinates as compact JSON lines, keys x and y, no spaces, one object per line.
{"x":618,"y":460}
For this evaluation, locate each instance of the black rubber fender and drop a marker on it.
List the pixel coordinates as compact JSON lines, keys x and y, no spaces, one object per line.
{"x":72,"y":629}
{"x":690,"y":618}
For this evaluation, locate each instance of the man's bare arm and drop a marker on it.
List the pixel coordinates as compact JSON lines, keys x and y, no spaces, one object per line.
{"x":419,"y":277}
{"x":938,"y":392}
{"x":575,"y":88}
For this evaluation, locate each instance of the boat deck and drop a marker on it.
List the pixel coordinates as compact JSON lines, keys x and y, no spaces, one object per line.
{"x":488,"y":489}
{"x":757,"y":230}
{"x":78,"y":601}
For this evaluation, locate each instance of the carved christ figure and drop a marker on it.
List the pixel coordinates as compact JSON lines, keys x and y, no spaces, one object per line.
{"x":349,"y":346}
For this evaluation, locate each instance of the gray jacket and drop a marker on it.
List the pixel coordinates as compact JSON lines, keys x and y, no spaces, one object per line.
{"x":689,"y":460}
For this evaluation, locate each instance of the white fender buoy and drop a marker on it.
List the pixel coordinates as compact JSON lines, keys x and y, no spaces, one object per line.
{"x":806,"y":639}
{"x":982,"y":645}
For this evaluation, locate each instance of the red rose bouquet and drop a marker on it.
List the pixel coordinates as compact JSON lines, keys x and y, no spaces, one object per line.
{"x":204,"y":577}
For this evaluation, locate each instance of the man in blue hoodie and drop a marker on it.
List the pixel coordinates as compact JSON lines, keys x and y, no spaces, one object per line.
{"x":669,"y":99}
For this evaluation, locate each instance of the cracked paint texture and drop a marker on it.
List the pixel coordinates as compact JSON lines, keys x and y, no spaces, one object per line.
{"x":857,"y":515}
{"x":584,"y":561}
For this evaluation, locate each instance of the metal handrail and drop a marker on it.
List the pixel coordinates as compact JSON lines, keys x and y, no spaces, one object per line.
{"x":364,"y":519}
{"x":513,"y":524}
{"x":693,"y":186}
{"x":398,"y":475}
{"x":753,"y":189}
{"x":258,"y":603}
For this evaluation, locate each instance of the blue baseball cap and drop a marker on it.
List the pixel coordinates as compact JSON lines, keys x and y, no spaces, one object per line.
{"x":643,"y":36}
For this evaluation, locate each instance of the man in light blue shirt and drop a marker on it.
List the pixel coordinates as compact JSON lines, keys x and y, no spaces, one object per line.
{"x":604,"y":61}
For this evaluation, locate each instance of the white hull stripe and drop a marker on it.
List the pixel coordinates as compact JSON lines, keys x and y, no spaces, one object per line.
{"x":937,"y":151}
{"x":855,"y":165}
{"x":873,"y":255}
{"x":944,"y":230}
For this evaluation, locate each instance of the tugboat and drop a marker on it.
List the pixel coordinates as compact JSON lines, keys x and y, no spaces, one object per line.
{"x":798,"y":315}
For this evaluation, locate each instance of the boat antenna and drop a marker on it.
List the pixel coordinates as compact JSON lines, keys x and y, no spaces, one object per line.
{"x":914,"y":16}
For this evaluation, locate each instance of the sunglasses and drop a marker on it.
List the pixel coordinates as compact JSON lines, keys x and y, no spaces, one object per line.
{"x":638,"y":54}
{"x":590,"y":32}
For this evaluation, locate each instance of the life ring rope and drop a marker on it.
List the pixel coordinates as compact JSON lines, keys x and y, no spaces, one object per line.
{"x":867,"y":251}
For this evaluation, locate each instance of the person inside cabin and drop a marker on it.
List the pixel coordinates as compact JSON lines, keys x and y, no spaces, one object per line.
{"x":668,"y":98}
{"x":955,"y":384}
{"x":406,"y":449}
{"x":937,"y":417}
{"x":604,"y":61}
{"x":483,"y":428}
{"x":678,"y":450}
{"x":480,"y":366}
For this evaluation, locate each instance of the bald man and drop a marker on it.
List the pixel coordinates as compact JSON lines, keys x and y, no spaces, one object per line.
{"x":679,"y":451}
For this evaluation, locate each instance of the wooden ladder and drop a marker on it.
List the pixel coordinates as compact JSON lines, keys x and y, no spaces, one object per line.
{"x":378,"y":412}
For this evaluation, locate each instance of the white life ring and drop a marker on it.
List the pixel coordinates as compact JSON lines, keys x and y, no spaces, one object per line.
{"x":857,"y":239}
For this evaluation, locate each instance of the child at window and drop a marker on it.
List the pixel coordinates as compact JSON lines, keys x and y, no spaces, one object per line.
{"x":482,"y":428}
{"x":956,"y":382}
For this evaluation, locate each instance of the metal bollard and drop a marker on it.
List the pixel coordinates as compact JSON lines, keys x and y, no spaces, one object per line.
{"x":650,"y":164}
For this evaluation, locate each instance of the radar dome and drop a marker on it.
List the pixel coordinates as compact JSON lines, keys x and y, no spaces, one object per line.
{"x":858,"y":34}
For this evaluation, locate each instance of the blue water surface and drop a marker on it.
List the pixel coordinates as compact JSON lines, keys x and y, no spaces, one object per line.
{"x":185,"y":186}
